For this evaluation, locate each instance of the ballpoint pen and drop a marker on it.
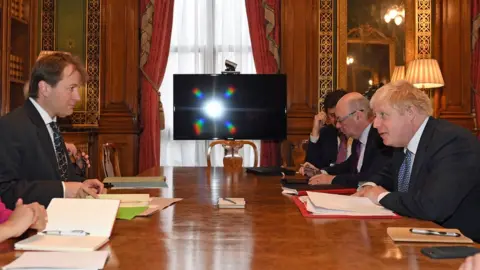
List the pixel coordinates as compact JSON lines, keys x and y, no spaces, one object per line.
{"x":433,"y":232}
{"x":66,"y":233}
{"x":228,"y":200}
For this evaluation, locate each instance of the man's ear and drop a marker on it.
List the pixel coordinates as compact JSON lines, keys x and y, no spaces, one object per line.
{"x":43,"y":89}
{"x":410,"y":112}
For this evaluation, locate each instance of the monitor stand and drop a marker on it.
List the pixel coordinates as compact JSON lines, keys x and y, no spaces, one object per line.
{"x":232,"y":159}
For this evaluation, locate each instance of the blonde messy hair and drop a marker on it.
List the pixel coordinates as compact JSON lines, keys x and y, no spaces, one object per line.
{"x":401,"y":95}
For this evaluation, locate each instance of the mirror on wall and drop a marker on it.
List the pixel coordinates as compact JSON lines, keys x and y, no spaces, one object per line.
{"x":375,"y":43}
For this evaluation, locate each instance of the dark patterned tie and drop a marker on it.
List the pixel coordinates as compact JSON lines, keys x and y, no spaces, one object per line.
{"x":62,"y":160}
{"x":404,"y":172}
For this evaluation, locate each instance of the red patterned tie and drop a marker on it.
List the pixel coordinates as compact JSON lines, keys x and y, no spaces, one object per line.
{"x":342,"y":149}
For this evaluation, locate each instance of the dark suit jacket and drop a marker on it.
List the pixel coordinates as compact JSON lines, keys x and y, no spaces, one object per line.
{"x":445,"y":180}
{"x":28,"y":164}
{"x":324,"y":151}
{"x":375,"y":157}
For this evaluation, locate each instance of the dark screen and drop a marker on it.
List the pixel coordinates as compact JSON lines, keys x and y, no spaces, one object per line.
{"x":229,"y":107}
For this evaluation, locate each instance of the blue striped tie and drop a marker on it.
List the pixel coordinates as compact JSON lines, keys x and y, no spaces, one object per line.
{"x":405,"y":171}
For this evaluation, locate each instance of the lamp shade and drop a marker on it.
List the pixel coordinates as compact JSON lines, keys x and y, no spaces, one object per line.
{"x":398,"y":74}
{"x":424,"y":73}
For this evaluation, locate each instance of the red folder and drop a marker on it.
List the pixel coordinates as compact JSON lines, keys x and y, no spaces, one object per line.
{"x":303,"y":209}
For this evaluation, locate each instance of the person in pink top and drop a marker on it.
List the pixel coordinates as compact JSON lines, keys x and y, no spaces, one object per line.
{"x":15,"y":223}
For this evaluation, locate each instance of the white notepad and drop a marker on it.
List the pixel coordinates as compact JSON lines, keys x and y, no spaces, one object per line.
{"x":231,"y":203}
{"x":96,"y":217}
{"x":60,"y":260}
{"x":324,"y":203}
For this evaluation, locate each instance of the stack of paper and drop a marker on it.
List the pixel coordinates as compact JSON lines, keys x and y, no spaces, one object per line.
{"x":332,"y":204}
{"x":74,"y":225}
{"x":60,"y":260}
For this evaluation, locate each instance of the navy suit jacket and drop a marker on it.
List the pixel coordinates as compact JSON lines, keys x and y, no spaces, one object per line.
{"x":323,"y":152}
{"x":444,"y":183}
{"x":375,"y":157}
{"x":28,"y":164}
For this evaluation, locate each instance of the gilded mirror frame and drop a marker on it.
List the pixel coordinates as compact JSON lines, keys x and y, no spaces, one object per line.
{"x":332,"y":50}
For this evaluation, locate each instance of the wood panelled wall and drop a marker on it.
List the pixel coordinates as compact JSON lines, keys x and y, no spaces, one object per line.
{"x":299,"y":60}
{"x":299,"y":51}
{"x":452,"y":47}
{"x":119,"y":97}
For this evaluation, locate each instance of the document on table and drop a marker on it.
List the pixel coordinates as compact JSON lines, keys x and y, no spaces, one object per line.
{"x":60,"y":260}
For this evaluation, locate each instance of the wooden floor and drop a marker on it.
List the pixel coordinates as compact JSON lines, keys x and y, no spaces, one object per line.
{"x":269,"y":234}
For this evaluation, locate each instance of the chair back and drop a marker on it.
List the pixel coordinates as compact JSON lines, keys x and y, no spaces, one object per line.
{"x":110,"y":161}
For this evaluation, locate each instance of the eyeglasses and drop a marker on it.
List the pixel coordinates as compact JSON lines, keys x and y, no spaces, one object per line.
{"x":341,"y":119}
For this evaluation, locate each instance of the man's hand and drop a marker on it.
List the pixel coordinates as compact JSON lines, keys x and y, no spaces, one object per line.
{"x":471,"y":263}
{"x":91,"y":187}
{"x":318,"y":122}
{"x":321,"y":179}
{"x":307,"y":166}
{"x":371,"y":192}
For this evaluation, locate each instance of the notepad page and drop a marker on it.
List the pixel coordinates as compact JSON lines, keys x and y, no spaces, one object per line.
{"x":61,"y":243}
{"x":323,"y":211}
{"x":346,"y":203}
{"x":60,"y":260}
{"x":94,"y":216}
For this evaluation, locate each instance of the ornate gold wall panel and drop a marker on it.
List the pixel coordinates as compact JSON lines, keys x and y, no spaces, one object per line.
{"x":87,"y":117}
{"x":326,"y":50}
{"x":423,"y":29}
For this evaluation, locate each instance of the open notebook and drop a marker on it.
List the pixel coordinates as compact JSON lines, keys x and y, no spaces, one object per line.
{"x":333,"y":204}
{"x":59,"y":260}
{"x":67,"y":219}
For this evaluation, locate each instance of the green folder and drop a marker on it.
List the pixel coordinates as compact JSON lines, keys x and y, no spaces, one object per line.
{"x":129,"y":213}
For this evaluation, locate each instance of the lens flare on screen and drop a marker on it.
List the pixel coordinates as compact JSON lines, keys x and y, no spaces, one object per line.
{"x":214,"y":109}
{"x":198,"y":126}
{"x":230,"y":91}
{"x":231,"y":128}
{"x":197,"y":92}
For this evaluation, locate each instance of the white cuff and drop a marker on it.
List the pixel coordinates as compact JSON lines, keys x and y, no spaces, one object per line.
{"x":63,"y":185}
{"x":313,"y":139}
{"x":380,"y":197}
{"x":372,"y":184}
{"x":323,"y":172}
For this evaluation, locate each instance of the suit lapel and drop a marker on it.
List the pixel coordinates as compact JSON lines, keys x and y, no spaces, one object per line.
{"x":421,"y":150}
{"x":43,"y":135}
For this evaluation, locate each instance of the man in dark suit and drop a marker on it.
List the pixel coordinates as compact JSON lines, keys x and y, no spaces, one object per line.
{"x":326,"y":144}
{"x":435,"y":174}
{"x":34,"y":164}
{"x":354,"y":119}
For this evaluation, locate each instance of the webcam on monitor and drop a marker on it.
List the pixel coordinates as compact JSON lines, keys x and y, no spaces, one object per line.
{"x":230,"y":67}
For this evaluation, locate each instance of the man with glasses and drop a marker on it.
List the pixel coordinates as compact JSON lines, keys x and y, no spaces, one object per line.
{"x":354,"y":119}
{"x":435,"y":172}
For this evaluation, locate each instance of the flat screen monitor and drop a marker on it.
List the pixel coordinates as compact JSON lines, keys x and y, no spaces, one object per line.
{"x":229,"y":107}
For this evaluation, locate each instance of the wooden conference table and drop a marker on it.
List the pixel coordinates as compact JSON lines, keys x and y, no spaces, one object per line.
{"x":269,"y":234}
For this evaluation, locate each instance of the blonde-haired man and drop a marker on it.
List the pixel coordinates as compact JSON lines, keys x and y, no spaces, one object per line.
{"x":435,"y":173}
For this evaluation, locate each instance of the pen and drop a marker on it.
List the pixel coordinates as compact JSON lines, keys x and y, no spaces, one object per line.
{"x":228,"y":200}
{"x":432,"y":232}
{"x":67,"y":233}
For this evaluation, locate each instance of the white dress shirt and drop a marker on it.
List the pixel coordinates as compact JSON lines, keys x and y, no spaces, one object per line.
{"x":412,"y":147}
{"x":47,"y":119}
{"x":363,"y":139}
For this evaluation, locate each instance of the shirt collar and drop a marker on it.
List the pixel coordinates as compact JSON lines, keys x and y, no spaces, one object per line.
{"x":45,"y":116}
{"x":363,"y":138}
{"x":413,"y":144}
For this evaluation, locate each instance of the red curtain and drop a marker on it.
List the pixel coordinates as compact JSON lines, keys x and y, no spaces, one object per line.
{"x":157,"y":19}
{"x":264,"y":25}
{"x":476,"y":58}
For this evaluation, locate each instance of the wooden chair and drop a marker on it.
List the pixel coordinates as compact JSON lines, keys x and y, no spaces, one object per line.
{"x":293,"y":153}
{"x":110,"y":161}
{"x":232,"y":159}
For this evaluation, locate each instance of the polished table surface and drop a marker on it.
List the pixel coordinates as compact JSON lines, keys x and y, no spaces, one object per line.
{"x":270,"y":233}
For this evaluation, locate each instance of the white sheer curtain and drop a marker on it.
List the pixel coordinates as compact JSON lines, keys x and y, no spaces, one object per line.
{"x":204,"y":34}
